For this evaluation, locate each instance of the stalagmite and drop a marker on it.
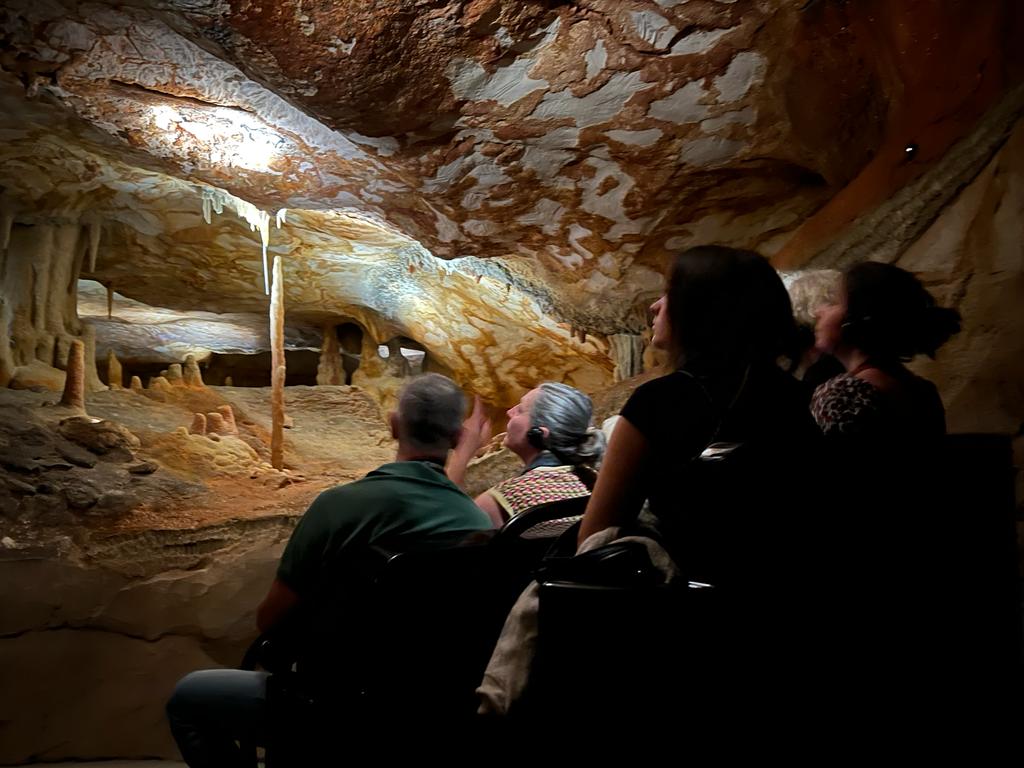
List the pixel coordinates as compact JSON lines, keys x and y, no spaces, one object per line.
{"x":215,"y":423}
{"x":136,"y":384}
{"x":228,"y":381}
{"x":278,"y":418}
{"x":329,"y":371}
{"x":74,"y":382}
{"x":198,"y":424}
{"x":174,"y":376}
{"x":278,"y":367}
{"x":230,"y":426}
{"x":160,"y":384}
{"x":114,"y":375}
{"x":92,"y":378}
{"x":192,"y":376}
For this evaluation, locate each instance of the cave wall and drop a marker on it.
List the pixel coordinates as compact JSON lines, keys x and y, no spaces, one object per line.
{"x":972,"y":258}
{"x":91,"y":649}
{"x":39,"y":268}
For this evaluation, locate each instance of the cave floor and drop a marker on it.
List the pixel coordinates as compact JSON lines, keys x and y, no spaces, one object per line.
{"x":176,"y":480}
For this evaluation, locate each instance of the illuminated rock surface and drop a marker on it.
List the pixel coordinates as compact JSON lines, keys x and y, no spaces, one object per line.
{"x":486,"y":189}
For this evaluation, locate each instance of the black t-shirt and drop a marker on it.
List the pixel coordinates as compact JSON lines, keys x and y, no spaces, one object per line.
{"x":679,"y":414}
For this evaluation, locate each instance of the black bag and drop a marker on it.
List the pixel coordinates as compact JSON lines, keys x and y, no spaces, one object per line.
{"x":617,"y":564}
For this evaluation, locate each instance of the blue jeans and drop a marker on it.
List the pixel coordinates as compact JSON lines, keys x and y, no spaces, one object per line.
{"x":212,"y":709}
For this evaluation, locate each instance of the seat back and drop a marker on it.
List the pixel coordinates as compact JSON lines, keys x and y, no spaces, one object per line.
{"x":888,"y":585}
{"x":409,"y":632}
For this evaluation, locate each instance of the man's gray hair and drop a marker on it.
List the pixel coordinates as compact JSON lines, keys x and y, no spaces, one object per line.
{"x":567,"y":413}
{"x":430,"y":412}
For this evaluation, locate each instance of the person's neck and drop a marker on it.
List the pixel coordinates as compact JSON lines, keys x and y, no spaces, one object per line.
{"x":407,"y":454}
{"x":852,"y":359}
{"x":528,"y":455}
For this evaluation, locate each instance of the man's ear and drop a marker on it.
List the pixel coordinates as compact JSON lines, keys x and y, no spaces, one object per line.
{"x":393,"y":423}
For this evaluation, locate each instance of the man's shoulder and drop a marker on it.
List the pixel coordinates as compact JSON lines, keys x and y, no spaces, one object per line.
{"x":393,"y":477}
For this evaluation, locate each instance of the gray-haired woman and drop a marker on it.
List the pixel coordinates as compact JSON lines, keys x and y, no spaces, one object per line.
{"x":550,"y":429}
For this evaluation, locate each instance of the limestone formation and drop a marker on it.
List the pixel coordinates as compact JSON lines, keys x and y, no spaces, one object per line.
{"x":174,"y":375}
{"x":330,"y":368}
{"x":627,"y":352}
{"x":530,"y":163}
{"x":159,"y":384}
{"x":278,"y":367}
{"x":74,"y":384}
{"x":495,"y":182}
{"x":198,"y":424}
{"x":114,"y":374}
{"x":228,"y":382}
{"x":278,"y":417}
{"x":109,"y":440}
{"x":215,"y":424}
{"x":191,"y":375}
{"x":228,"y":416}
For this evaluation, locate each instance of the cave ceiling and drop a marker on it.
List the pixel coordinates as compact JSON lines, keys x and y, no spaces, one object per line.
{"x":495,"y":179}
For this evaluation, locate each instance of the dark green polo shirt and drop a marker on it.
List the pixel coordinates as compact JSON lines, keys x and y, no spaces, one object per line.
{"x":396,"y":504}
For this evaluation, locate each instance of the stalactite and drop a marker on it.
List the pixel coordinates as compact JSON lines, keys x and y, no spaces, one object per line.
{"x":198,"y":424}
{"x":95,"y":230}
{"x":115,"y":377}
{"x":230,"y":425}
{"x":258,"y":220}
{"x":74,"y":382}
{"x":42,"y":261}
{"x":62,"y":308}
{"x":192,"y":376}
{"x":136,"y":384}
{"x":110,"y":301}
{"x":174,"y":376}
{"x":627,"y":351}
{"x":278,"y":369}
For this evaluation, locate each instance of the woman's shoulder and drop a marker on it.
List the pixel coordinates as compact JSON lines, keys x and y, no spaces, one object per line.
{"x":845,"y":403}
{"x":675,"y":385}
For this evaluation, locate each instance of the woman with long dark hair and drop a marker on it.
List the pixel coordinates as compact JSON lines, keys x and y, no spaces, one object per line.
{"x":725,"y":320}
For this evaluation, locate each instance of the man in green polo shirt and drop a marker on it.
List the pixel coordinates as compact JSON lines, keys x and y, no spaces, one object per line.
{"x":396,"y":505}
